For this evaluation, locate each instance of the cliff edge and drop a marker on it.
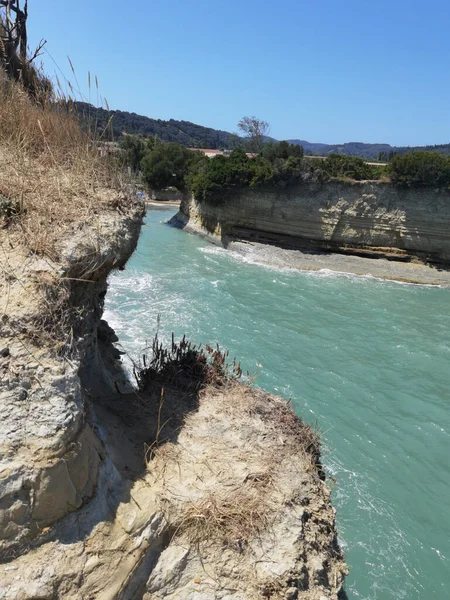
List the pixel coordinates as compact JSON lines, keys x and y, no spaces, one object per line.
{"x":337,"y":225}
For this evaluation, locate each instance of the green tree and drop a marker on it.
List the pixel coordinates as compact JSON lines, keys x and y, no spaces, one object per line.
{"x":167,"y":165}
{"x":340,"y":165}
{"x":133,"y":148}
{"x":281,"y":150}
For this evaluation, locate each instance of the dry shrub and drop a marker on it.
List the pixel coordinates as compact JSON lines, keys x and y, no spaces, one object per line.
{"x":50,"y":167}
{"x":185,"y":365}
{"x":47,"y":130}
{"x":53,"y":180}
{"x":231,"y":517}
{"x":56,"y":320}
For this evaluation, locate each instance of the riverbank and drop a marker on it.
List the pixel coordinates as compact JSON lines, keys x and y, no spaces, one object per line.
{"x":282,"y":258}
{"x":162,"y":203}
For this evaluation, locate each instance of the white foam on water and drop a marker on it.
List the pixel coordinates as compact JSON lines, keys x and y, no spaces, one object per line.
{"x":257,"y":258}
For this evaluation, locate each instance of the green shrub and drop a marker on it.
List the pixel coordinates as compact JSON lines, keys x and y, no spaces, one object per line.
{"x":273,"y":150}
{"x":278,"y":165}
{"x":223,"y":173}
{"x":133,"y":149}
{"x":339,"y":165}
{"x":419,"y":169}
{"x":9,"y":209}
{"x":166,"y":165}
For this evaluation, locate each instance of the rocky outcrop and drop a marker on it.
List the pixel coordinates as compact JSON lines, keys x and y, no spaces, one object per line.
{"x":112,"y":494}
{"x":363,"y":218}
{"x":229,"y":505}
{"x":49,"y":455}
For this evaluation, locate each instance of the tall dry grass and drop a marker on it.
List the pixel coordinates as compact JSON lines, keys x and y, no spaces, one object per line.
{"x":50,"y":169}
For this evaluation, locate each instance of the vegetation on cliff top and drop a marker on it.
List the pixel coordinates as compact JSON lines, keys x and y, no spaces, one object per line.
{"x":278,"y":164}
{"x":421,"y":169}
{"x":53,"y":181}
{"x":51,"y":172}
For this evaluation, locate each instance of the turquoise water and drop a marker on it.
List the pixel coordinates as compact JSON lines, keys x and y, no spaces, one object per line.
{"x":367,"y":360}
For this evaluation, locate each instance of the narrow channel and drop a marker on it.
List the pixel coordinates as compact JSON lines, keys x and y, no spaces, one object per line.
{"x":366,"y":360}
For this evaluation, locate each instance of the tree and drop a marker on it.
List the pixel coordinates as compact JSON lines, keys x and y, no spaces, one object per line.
{"x":133,"y":151}
{"x":281,"y":150}
{"x":14,"y":59}
{"x":255,"y":131}
{"x":166,"y":165}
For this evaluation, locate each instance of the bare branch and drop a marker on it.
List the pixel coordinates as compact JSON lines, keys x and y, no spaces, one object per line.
{"x":37,"y":52}
{"x":14,"y":45}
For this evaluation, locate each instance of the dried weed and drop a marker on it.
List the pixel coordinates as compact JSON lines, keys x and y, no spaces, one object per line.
{"x":50,"y":169}
{"x":232,"y":517}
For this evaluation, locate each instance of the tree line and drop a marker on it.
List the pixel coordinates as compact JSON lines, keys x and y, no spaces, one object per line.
{"x":276,"y":164}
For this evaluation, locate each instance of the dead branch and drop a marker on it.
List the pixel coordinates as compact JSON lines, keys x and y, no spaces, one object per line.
{"x":14,"y":58}
{"x":37,"y":52}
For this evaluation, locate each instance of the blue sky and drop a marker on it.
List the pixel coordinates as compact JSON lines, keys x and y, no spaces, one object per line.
{"x":321,"y":70}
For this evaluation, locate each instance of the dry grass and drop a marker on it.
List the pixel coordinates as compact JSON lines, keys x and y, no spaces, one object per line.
{"x":224,"y":504}
{"x":52,"y":181}
{"x":216,"y":492}
{"x":49,"y":168}
{"x":230,"y":517}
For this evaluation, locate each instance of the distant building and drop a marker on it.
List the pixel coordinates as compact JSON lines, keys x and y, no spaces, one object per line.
{"x":108,"y":148}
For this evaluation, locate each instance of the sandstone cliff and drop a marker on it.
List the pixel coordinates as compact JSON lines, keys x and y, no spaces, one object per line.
{"x":363,"y":218}
{"x":49,"y":455}
{"x":110,"y":494}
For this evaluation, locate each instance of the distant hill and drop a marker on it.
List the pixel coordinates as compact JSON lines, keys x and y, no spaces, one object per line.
{"x":182,"y":132}
{"x":197,"y":136}
{"x":365,"y":150}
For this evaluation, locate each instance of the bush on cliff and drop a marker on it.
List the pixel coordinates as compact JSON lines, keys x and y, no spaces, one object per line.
{"x":166,"y":165}
{"x":420,"y":169}
{"x":227,"y":172}
{"x":279,"y":165}
{"x":351,"y":167}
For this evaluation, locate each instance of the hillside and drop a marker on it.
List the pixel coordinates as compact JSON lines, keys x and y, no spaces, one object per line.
{"x":197,"y":136}
{"x":182,"y":132}
{"x":365,"y":150}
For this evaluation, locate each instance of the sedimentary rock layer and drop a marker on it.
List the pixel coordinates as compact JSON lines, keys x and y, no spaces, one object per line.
{"x":365,"y":218}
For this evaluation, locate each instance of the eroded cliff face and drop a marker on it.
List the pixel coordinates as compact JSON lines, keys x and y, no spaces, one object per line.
{"x":49,"y":455}
{"x":366,"y":218}
{"x":110,"y":494}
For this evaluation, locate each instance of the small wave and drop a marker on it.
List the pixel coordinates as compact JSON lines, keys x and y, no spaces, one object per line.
{"x":255,"y":257}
